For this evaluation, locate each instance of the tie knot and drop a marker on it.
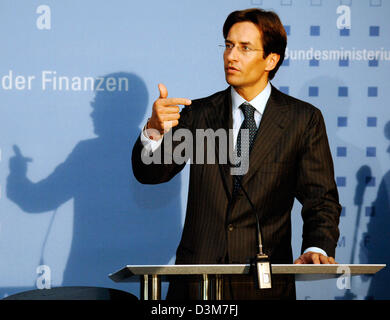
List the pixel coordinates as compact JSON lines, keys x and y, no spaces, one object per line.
{"x":248,"y":110}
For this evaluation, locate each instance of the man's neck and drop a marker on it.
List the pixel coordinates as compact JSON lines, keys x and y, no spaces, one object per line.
{"x":248,"y":93}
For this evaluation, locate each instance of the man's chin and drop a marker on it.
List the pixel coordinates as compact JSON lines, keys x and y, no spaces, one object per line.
{"x":232,"y":80}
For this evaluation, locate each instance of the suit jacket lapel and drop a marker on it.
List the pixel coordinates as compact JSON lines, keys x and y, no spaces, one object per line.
{"x":274,"y":120}
{"x":220,"y":116}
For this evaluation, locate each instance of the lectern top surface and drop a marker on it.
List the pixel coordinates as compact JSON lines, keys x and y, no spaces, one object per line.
{"x":299,"y":269}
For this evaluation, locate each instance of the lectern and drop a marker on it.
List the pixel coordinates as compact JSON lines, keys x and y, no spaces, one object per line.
{"x":150,"y":276}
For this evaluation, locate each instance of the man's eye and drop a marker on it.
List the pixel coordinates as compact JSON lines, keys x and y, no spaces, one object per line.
{"x":229,"y":46}
{"x":246,"y":48}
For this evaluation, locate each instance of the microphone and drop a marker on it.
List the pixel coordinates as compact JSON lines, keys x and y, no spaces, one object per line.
{"x":261,"y":261}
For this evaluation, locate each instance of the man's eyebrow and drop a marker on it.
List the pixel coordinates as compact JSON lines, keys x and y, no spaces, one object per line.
{"x":242,"y":42}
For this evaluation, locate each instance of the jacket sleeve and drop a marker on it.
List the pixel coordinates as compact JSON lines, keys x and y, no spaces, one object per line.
{"x":162,"y":165}
{"x":316,"y":188}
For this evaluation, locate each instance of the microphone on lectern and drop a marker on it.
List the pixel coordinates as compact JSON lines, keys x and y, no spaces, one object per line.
{"x":261,"y":261}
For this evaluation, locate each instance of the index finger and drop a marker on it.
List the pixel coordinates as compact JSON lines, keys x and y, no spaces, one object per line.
{"x":332,"y":260}
{"x":175,"y":101}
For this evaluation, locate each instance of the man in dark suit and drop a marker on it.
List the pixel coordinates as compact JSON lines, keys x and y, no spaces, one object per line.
{"x":289,"y":158}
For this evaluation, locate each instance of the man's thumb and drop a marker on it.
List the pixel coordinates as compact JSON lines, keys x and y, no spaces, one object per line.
{"x":163,"y":91}
{"x":18,"y":154}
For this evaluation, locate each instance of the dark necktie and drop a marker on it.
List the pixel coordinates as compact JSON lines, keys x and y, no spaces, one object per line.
{"x":250,"y":124}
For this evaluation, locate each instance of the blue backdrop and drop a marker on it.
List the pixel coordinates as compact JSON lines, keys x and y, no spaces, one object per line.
{"x":77,"y":80}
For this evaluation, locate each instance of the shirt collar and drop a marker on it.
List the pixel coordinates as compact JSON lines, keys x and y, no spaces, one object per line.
{"x":257,"y":102}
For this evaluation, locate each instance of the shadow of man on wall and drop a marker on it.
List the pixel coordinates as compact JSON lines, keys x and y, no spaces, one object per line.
{"x":117,"y":221}
{"x":375,"y":243}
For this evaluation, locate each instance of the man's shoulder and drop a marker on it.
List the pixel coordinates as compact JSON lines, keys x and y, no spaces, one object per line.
{"x":209,"y":107}
{"x":293,"y":103}
{"x":215,"y":98}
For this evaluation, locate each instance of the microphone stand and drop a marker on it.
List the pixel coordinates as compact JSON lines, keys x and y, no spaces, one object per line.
{"x":261,"y":261}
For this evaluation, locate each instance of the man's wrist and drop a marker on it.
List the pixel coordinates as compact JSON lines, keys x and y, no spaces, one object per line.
{"x":151,"y":133}
{"x":315,"y":249}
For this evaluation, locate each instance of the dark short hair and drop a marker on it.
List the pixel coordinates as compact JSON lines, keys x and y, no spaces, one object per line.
{"x":273,"y":35}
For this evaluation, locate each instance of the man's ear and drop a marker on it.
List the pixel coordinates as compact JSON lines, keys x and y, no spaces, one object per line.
{"x":271,"y":61}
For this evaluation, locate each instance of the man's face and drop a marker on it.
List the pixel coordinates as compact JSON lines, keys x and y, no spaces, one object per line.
{"x":243,"y":58}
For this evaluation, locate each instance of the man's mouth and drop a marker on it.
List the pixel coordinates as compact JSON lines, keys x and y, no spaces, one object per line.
{"x":231,"y":69}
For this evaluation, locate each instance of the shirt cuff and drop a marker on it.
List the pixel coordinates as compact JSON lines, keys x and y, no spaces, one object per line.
{"x":315,"y":249}
{"x":149,"y":144}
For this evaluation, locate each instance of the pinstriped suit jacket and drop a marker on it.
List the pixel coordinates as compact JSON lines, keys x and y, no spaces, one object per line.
{"x":290,"y":159}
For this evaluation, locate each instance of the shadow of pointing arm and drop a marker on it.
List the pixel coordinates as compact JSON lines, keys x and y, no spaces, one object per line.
{"x":45,"y":195}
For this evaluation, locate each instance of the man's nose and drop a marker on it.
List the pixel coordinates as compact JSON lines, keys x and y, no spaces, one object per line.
{"x":232,"y":54}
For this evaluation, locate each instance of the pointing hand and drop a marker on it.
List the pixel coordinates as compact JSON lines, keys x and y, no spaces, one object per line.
{"x":165,"y":114}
